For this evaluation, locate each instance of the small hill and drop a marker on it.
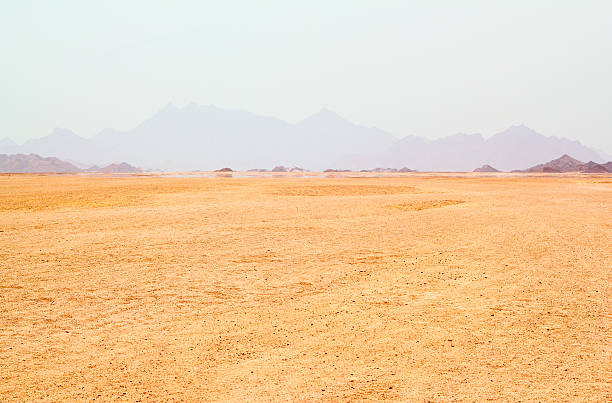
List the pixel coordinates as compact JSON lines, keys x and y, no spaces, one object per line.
{"x":280,"y":169}
{"x":123,"y":167}
{"x":595,"y":168}
{"x":224,"y":170}
{"x":31,"y":163}
{"x":116,"y":168}
{"x":486,"y":168}
{"x":566,"y":163}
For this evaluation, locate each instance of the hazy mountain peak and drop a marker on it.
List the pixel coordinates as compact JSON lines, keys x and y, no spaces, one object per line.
{"x":326,"y":117}
{"x":57,"y":136}
{"x":518,"y":131}
{"x":61,"y":132}
{"x":7,"y":142}
{"x":325,"y":111}
{"x":169,"y":107}
{"x":196,"y":107}
{"x":169,"y":110}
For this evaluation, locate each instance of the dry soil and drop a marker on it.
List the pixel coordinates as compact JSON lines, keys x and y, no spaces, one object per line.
{"x":412,"y":287}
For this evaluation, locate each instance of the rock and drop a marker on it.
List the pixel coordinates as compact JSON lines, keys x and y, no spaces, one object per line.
{"x":279,"y":169}
{"x":486,"y":168}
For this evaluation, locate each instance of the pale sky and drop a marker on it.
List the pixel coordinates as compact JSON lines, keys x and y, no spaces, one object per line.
{"x":428,"y":68}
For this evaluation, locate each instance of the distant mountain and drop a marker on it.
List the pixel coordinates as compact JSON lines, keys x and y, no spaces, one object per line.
{"x":486,"y":168}
{"x":8,"y":146}
{"x":519,"y":147}
{"x":565,"y":163}
{"x":460,"y":152}
{"x":198,"y":137}
{"x":324,"y":138}
{"x":201,"y":137}
{"x":21,"y":163}
{"x":65,"y":144}
{"x":6,"y":142}
{"x":33,"y":163}
{"x":515,"y":148}
{"x":205,"y":137}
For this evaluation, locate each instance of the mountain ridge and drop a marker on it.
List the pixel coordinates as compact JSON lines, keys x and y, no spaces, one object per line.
{"x":34,"y":163}
{"x":206,"y":137}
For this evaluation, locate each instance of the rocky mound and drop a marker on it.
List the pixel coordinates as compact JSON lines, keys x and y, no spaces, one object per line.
{"x":566,"y":163}
{"x":486,"y":168}
{"x":224,"y":170}
{"x":595,"y":168}
{"x":116,"y":168}
{"x":21,"y":163}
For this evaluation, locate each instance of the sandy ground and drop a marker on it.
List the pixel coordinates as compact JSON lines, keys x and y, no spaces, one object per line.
{"x":412,"y":287}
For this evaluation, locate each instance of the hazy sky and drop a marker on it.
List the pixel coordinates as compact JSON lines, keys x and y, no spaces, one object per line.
{"x":429,"y":68}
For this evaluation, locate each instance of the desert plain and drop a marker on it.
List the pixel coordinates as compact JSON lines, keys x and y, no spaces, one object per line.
{"x":408,"y":287}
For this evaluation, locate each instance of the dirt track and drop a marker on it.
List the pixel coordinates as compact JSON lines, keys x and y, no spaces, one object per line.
{"x":406,"y":288}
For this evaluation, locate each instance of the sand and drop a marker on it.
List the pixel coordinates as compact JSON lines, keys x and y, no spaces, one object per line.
{"x":413,"y":287}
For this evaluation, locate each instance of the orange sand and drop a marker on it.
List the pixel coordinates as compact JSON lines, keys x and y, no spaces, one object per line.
{"x":405,"y":288}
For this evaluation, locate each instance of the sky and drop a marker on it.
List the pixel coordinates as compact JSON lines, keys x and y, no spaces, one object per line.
{"x":426,"y":68}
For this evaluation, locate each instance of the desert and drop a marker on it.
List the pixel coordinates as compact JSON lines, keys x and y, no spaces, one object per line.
{"x":326,"y":287}
{"x":321,"y":201}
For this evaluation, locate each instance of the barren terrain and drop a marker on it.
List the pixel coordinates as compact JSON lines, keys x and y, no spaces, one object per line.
{"x":410,"y":287}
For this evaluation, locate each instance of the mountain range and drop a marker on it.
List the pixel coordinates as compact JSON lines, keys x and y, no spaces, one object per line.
{"x":31,"y":163}
{"x":198,"y":137}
